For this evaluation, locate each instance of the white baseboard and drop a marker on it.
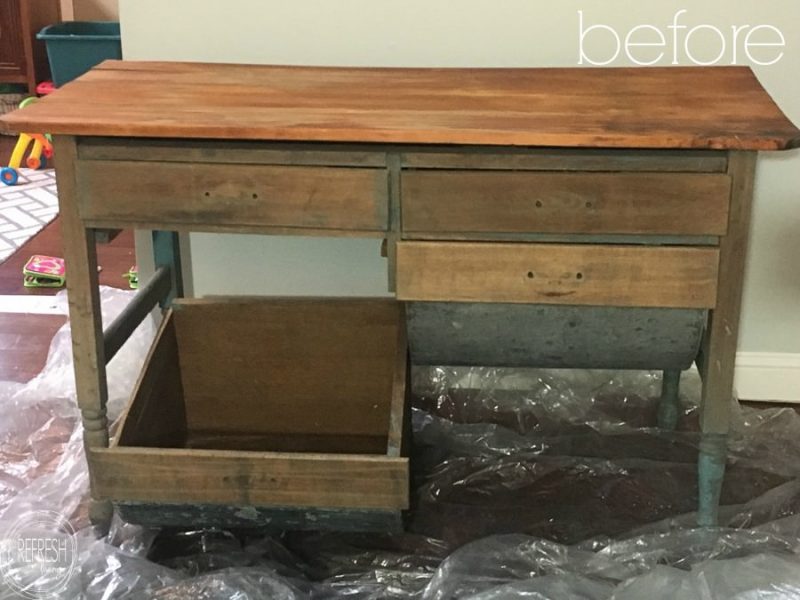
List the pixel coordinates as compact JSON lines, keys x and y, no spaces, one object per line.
{"x":768,"y":376}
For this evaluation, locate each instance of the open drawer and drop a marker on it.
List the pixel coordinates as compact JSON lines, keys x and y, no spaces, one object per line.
{"x":286,"y":413}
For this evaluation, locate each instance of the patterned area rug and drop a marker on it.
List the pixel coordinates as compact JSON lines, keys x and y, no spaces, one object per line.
{"x":26,"y":208}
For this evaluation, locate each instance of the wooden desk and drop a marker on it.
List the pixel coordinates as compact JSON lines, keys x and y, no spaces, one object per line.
{"x":601,"y":188}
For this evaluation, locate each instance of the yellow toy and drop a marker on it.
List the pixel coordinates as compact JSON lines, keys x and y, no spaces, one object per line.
{"x":37,"y":158}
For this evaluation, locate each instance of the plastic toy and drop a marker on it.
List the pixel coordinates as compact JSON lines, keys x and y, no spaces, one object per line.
{"x":133,"y":277}
{"x":44,"y":271}
{"x":37,"y":158}
{"x":45,"y":87}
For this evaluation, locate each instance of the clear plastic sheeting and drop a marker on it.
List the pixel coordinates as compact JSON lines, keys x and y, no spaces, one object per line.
{"x":41,"y":440}
{"x":537,"y":484}
{"x":758,"y":577}
{"x":683,"y":561}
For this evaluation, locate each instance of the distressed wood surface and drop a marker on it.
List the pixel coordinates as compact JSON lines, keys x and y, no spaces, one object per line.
{"x":389,"y":246}
{"x":80,"y":254}
{"x":258,"y":518}
{"x":156,"y":415}
{"x":88,"y":345}
{"x":239,"y":399}
{"x":669,"y":277}
{"x":284,"y":366}
{"x":597,"y":203}
{"x":230,"y":151}
{"x":400,"y":411}
{"x":569,"y":238}
{"x":722,"y":334}
{"x":250,"y":478}
{"x":334,"y":443}
{"x":564,"y":159}
{"x":234,"y":195}
{"x":409,"y":156}
{"x":716,"y":108}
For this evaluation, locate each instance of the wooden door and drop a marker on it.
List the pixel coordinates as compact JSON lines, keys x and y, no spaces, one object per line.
{"x":12,"y":47}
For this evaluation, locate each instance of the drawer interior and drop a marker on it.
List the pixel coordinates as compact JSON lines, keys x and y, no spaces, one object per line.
{"x":273,"y":375}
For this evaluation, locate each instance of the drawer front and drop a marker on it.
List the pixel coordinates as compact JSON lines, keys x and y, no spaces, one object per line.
{"x":225,"y":197}
{"x":675,"y":277}
{"x":438,"y":202}
{"x":249,"y":478}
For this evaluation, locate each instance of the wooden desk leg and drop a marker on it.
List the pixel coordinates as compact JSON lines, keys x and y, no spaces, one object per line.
{"x":719,"y":345}
{"x":84,"y":312}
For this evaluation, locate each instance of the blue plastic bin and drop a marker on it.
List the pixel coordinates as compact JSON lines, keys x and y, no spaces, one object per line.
{"x":75,"y":47}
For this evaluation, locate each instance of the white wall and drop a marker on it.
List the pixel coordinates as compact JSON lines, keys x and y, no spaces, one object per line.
{"x":522,"y":33}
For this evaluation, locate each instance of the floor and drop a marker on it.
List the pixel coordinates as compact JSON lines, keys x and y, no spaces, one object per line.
{"x":25,"y":339}
{"x":25,"y":208}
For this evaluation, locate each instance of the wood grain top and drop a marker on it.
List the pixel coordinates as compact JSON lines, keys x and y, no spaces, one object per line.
{"x":718,"y":108}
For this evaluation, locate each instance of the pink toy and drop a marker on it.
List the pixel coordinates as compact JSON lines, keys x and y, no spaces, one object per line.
{"x":44,"y":271}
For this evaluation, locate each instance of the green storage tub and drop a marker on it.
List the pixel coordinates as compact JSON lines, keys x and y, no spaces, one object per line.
{"x":74,"y":47}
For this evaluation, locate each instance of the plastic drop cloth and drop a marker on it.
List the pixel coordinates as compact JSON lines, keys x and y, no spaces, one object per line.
{"x":526,"y":484}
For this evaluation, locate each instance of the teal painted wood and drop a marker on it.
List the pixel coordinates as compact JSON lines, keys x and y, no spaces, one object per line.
{"x":260,"y":517}
{"x":550,"y":336}
{"x":710,"y":474}
{"x":669,"y":406}
{"x":166,"y":252}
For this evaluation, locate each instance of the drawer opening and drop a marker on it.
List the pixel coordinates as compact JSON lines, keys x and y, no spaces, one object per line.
{"x":271,"y":376}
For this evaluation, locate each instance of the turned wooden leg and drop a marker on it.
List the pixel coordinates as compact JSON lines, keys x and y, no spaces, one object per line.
{"x":84,"y":311}
{"x":669,"y":407}
{"x":710,"y":473}
{"x":720,"y":341}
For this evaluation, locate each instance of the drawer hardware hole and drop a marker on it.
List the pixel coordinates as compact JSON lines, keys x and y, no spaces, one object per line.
{"x":578,"y":275}
{"x":538,"y":204}
{"x":588,"y":205}
{"x":255,"y":196}
{"x":207,"y":194}
{"x":530,"y":275}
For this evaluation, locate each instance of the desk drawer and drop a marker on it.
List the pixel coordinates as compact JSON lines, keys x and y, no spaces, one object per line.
{"x":226,"y":197}
{"x":260,"y":407}
{"x":441,"y":202}
{"x":577,"y":274}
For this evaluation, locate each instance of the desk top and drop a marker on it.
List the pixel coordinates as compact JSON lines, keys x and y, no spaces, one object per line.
{"x":718,"y":108}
